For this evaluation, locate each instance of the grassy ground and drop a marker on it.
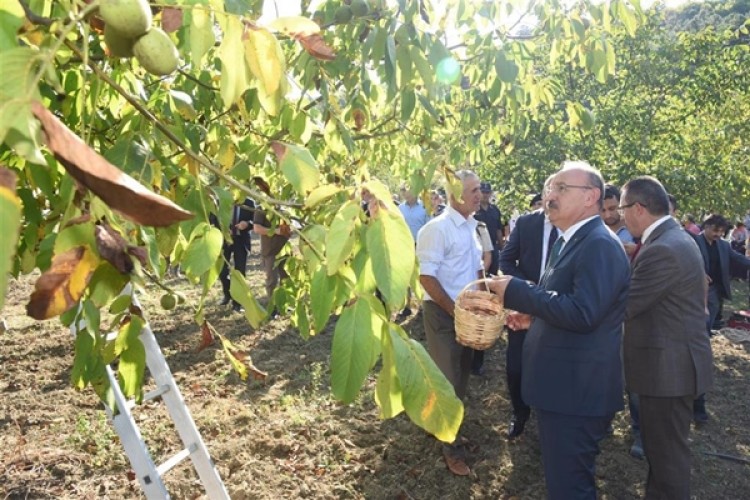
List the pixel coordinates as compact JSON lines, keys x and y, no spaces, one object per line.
{"x":286,"y":438}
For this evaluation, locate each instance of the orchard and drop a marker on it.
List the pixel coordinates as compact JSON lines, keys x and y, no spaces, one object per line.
{"x":124,"y":124}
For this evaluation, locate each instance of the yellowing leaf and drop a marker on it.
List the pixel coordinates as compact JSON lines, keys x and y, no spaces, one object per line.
{"x":202,"y":36}
{"x":391,"y":249}
{"x":428,"y":397}
{"x":320,"y":194}
{"x":294,"y":26}
{"x":238,"y":289}
{"x":183,"y":104}
{"x":298,"y":166}
{"x":226,"y":156}
{"x":10,"y":223}
{"x":235,"y":79}
{"x":241,"y":361}
{"x":62,"y":285}
{"x":356,"y":347}
{"x":341,"y":236}
{"x":266,"y":62}
{"x":388,"y":392}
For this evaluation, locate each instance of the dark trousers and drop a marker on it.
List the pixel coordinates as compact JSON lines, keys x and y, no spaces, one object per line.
{"x":495,"y":262}
{"x":665,"y":426}
{"x":453,"y":359}
{"x":714,"y":307}
{"x":570,"y":444}
{"x":513,"y":365}
{"x":634,"y":405}
{"x":235,"y":252}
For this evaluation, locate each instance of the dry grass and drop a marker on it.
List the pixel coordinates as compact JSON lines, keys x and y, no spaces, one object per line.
{"x":286,"y":438}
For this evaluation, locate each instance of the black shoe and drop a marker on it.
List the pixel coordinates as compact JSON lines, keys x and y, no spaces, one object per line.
{"x":700,"y":418}
{"x":238,"y":308}
{"x":516,"y":428}
{"x":225,"y":300}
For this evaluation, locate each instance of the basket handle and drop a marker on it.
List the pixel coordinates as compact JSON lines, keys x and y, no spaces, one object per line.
{"x":475,"y":282}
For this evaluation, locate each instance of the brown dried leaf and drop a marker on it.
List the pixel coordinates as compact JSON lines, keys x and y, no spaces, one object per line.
{"x":207,"y":336}
{"x":139,"y":253}
{"x":279,"y":149}
{"x":171,"y":19}
{"x":118,"y":190}
{"x":113,"y":248}
{"x":7,"y":179}
{"x":317,"y":47}
{"x":60,"y":287}
{"x":359,"y":119}
{"x":245,"y":359}
{"x":97,"y":24}
{"x":261,"y":183}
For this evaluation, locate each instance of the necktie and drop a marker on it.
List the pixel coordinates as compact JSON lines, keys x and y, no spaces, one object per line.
{"x":556,"y":248}
{"x":551,"y":242}
{"x":635,"y":252}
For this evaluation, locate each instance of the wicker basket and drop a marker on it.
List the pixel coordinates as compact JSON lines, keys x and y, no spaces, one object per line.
{"x":479,"y":317}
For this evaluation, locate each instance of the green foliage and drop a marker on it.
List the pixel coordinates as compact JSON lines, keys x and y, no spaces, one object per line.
{"x":354,"y":102}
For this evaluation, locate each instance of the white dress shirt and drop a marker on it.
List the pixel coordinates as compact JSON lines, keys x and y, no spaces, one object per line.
{"x":448,"y":249}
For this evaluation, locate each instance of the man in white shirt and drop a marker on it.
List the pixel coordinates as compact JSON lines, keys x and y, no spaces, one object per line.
{"x":450,"y":257}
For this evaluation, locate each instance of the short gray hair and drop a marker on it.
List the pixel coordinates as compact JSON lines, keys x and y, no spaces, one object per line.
{"x":595,"y":177}
{"x":466,"y":174}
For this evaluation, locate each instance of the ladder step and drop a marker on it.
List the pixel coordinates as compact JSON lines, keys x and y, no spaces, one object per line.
{"x":176,"y":459}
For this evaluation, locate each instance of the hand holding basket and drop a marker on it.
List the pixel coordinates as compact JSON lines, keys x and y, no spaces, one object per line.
{"x":479,"y":317}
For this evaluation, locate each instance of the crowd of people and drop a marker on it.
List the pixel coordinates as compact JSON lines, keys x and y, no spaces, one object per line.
{"x":247,"y":218}
{"x":607,"y":294}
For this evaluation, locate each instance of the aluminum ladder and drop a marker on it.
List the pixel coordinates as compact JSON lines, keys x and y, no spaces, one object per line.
{"x":149,"y":474}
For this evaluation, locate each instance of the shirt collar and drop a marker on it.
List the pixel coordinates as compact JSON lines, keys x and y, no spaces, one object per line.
{"x":654,"y":225}
{"x":568,"y":234}
{"x":457,"y":218}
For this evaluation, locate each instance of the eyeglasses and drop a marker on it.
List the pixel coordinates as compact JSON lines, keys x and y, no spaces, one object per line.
{"x":621,"y":208}
{"x":561,"y":188}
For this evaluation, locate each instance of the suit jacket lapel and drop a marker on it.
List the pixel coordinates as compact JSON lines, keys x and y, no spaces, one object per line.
{"x":660,"y":229}
{"x":569,"y":245}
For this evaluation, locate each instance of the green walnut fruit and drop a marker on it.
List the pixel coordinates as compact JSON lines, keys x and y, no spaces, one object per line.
{"x":118,"y":45}
{"x":168,"y":301}
{"x":343,"y":14}
{"x":131,"y":18}
{"x":156,"y":52}
{"x":360,"y":8}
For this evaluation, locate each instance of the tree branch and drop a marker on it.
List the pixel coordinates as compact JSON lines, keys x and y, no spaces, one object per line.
{"x":258,"y":195}
{"x":34,"y":18}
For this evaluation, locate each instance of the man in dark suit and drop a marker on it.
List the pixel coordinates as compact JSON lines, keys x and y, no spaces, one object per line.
{"x":717,"y":255}
{"x":236,"y":250}
{"x":572,"y":370}
{"x":666,"y":351}
{"x":524,"y":256}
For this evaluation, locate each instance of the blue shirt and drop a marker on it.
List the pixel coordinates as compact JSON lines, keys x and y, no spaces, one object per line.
{"x":625,"y":235}
{"x":416,"y":217}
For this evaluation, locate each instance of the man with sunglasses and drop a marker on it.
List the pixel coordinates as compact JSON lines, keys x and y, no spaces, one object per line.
{"x":572,"y":370}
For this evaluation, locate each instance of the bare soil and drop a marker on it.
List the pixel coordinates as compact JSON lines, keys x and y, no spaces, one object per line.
{"x":285,"y":437}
